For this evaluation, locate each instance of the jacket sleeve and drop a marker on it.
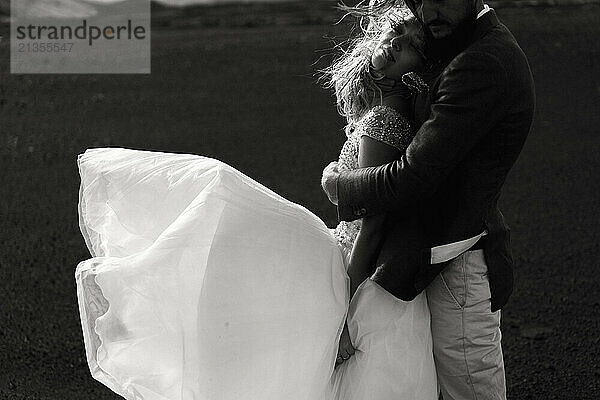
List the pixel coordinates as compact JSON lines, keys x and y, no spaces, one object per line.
{"x":465,"y":108}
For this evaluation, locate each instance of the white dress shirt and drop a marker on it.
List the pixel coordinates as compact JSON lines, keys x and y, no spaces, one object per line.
{"x":486,"y":8}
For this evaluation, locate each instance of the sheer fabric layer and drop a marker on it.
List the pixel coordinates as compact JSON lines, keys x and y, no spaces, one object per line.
{"x":204,"y":284}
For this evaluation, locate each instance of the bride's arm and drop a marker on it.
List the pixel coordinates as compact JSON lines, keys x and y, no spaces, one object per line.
{"x":368,"y":243}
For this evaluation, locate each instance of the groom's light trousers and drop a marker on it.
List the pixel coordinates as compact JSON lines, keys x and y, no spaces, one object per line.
{"x":466,"y":334}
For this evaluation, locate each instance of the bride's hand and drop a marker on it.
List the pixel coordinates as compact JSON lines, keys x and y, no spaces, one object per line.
{"x":345,"y":349}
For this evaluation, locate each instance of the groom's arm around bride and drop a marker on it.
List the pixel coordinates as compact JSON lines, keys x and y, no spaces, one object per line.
{"x":475,"y":120}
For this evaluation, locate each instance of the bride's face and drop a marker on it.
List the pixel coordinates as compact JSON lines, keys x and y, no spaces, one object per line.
{"x":397,"y":53}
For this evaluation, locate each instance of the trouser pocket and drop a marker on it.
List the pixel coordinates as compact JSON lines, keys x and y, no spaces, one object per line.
{"x":455,"y":281}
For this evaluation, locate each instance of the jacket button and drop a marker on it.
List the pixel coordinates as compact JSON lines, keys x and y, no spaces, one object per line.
{"x":362,"y":211}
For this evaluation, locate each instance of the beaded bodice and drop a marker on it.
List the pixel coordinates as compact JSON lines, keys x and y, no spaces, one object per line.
{"x":381,"y":123}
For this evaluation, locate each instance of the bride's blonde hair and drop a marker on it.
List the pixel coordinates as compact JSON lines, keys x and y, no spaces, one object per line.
{"x":349,"y":74}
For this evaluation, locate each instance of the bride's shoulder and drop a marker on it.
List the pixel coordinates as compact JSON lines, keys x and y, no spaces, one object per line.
{"x":387,"y":125}
{"x":382,"y":116}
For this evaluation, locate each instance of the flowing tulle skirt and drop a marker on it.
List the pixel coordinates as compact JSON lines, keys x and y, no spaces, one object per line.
{"x":204,"y":284}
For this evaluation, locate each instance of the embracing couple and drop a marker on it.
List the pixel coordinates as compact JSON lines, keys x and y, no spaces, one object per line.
{"x":428,"y":198}
{"x":207,"y":285}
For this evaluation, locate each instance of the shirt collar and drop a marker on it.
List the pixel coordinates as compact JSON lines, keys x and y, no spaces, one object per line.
{"x":486,"y":8}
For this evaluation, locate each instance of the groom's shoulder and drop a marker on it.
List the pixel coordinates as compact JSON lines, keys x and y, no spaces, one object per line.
{"x":495,"y":56}
{"x":499,"y":44}
{"x":498,"y":38}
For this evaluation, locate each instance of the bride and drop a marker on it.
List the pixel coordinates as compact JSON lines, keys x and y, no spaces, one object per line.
{"x":204,"y":284}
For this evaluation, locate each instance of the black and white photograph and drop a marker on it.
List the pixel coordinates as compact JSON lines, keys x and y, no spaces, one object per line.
{"x":299,"y":199}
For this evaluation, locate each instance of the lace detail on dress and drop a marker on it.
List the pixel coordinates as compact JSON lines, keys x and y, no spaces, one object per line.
{"x":346,"y":232}
{"x":388,"y":126}
{"x":382,"y":123}
{"x":348,"y":159}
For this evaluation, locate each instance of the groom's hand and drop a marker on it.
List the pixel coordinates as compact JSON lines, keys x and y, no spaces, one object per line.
{"x":345,"y":348}
{"x":329,"y":181}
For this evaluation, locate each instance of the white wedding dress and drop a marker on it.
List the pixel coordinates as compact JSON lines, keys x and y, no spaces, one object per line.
{"x":206,"y":285}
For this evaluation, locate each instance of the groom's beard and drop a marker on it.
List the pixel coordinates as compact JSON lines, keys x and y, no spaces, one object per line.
{"x":447,"y":48}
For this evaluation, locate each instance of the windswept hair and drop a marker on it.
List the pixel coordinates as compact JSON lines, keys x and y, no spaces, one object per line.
{"x":372,"y":8}
{"x":349,"y":74}
{"x":350,"y":78}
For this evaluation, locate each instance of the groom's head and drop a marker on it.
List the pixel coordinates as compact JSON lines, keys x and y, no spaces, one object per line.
{"x":443,"y":18}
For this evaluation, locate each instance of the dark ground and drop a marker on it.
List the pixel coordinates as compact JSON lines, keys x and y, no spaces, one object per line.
{"x":242,"y":90}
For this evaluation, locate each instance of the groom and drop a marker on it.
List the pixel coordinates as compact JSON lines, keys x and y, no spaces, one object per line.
{"x":473,"y":124}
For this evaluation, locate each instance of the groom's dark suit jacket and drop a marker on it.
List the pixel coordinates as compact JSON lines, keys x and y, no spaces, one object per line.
{"x":474,"y":122}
